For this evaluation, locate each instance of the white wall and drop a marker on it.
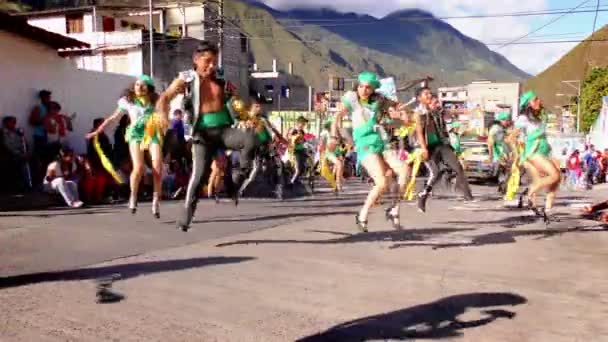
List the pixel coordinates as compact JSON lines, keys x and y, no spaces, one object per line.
{"x":88,"y":23}
{"x":55,"y":24}
{"x":31,"y":66}
{"x":136,"y":63}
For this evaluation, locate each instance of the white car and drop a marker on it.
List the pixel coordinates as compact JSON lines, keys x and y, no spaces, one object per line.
{"x":476,"y":160}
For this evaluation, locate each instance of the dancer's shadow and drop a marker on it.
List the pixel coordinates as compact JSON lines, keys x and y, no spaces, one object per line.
{"x":274,"y":217}
{"x":345,"y":238}
{"x":436,"y":320}
{"x":324,"y":206}
{"x":124,"y":271}
{"x":499,"y":238}
{"x":506,"y":222}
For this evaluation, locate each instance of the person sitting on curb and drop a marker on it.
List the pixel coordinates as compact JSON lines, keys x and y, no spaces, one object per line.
{"x":59,"y":180}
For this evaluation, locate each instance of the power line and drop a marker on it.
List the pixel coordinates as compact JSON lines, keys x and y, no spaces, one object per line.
{"x":543,"y":26}
{"x":353,"y":21}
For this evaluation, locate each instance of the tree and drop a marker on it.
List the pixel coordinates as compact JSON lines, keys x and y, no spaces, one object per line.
{"x":594,"y":88}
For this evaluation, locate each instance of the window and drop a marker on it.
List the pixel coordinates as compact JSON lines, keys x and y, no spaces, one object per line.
{"x":244,"y":43}
{"x":74,"y":23}
{"x":116,"y":62}
{"x":108,"y":24}
{"x":444,"y":94}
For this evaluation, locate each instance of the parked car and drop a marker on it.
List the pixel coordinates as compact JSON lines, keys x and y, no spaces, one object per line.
{"x":477,"y":162}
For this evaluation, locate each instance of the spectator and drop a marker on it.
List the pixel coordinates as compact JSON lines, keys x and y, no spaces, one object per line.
{"x":60,"y":178}
{"x":15,"y":159}
{"x":93,"y":183}
{"x":575,"y":169}
{"x":57,"y":128}
{"x":590,"y":166}
{"x":36,"y":120}
{"x":120,"y":151}
{"x":104,"y":143}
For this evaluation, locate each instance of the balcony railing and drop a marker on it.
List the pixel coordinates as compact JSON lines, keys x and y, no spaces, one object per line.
{"x":116,"y":38}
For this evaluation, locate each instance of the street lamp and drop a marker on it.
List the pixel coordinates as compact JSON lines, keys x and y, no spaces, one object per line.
{"x":576,"y":87}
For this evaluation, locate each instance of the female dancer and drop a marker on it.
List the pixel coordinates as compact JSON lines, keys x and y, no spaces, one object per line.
{"x":144,"y":132}
{"x":536,"y":157}
{"x":365,"y":106}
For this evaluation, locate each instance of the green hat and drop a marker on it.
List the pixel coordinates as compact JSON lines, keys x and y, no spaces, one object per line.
{"x":147,"y":80}
{"x":502,"y":116}
{"x":526,"y":98}
{"x":369,"y":78}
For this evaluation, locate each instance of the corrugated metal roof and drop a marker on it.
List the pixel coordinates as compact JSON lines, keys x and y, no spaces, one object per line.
{"x":19,"y":26}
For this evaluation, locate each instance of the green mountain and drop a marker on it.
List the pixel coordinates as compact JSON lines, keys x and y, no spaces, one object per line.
{"x":407,"y":44}
{"x":572,"y":66}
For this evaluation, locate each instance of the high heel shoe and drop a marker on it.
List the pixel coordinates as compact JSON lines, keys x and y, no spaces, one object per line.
{"x":394,"y":219}
{"x":362,"y":225}
{"x":133,"y":205}
{"x":156,"y":207}
{"x":538,"y":212}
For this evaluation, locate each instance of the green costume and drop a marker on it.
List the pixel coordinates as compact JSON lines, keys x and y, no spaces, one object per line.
{"x":366,"y":137}
{"x":455,"y":138}
{"x":142,"y":112}
{"x":536,"y":142}
{"x":497,"y":135}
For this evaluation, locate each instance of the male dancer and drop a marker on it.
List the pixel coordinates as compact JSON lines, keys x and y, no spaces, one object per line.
{"x":211,"y":125}
{"x":431,"y":135}
{"x":265,"y":132}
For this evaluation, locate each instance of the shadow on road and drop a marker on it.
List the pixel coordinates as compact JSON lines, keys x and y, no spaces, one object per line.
{"x":273,"y":217}
{"x":498,"y":238}
{"x":392,"y":235}
{"x":125,"y":271}
{"x":436,"y":320}
{"x":333,"y":205}
{"x":64,"y":212}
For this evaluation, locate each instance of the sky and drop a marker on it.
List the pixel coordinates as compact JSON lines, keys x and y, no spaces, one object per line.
{"x":492,"y":31}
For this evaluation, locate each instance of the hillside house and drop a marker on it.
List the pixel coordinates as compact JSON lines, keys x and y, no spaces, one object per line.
{"x":29,"y":59}
{"x":119,"y":39}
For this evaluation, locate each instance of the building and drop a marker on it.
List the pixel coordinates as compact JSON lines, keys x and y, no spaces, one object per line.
{"x":474,"y":105}
{"x":29,"y":59}
{"x":120,"y":41}
{"x":281,"y":90}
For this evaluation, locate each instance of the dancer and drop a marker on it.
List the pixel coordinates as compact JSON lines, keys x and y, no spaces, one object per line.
{"x":593,"y":209}
{"x":216,"y":178}
{"x":144,"y":133}
{"x":435,"y":149}
{"x":267,"y":136}
{"x":536,"y":157}
{"x":365,"y":107}
{"x":297,"y":149}
{"x":211,"y":125}
{"x":499,"y":149}
{"x":327,"y":156}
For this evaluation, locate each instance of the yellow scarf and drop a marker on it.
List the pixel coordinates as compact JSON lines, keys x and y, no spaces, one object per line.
{"x":105,"y":162}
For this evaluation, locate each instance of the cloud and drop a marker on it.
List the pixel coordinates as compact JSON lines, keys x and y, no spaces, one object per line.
{"x":487,"y":30}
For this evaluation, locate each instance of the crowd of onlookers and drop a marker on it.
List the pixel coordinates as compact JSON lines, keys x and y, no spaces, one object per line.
{"x":583,"y":169}
{"x":48,"y":164}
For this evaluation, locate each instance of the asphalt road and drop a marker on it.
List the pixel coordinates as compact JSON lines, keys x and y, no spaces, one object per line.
{"x":40,"y":241}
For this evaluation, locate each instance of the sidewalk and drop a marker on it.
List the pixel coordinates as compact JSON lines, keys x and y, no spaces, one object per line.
{"x":474,"y":272}
{"x":28,"y":201}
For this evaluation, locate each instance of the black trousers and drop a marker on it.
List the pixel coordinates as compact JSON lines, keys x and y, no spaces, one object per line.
{"x":446,"y":155}
{"x":205,"y":145}
{"x":266,"y":156}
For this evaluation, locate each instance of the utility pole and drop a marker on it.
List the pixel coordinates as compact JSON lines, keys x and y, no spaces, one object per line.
{"x":221,"y":34}
{"x":151,"y":37}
